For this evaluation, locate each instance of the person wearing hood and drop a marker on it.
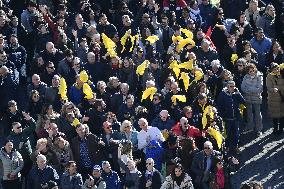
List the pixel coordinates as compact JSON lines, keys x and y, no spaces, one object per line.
{"x":228,"y":103}
{"x":13,"y":163}
{"x":252,"y":87}
{"x":71,"y":179}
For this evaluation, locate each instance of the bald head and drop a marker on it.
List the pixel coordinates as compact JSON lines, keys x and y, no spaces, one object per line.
{"x":36,"y":79}
{"x":50,"y":47}
{"x":3,"y":71}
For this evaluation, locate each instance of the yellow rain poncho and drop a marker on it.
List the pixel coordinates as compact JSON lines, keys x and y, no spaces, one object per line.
{"x":87,"y":91}
{"x":152,"y":39}
{"x":84,"y":76}
{"x":62,"y":91}
{"x":175,"y":67}
{"x":176,"y":39}
{"x":216,"y":135}
{"x":185,"y":78}
{"x":124,"y":39}
{"x":109,"y":45}
{"x":142,"y":67}
{"x":180,"y":98}
{"x":149,"y":93}
{"x":187,"y":65}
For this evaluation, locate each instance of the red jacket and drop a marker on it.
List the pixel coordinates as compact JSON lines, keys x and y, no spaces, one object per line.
{"x":191,"y":132}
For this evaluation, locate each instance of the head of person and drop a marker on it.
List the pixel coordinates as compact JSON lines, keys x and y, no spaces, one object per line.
{"x":97,"y":170}
{"x":126,"y":21}
{"x":270,"y":10}
{"x":184,"y":123}
{"x":126,"y":126}
{"x":253,"y":5}
{"x":274,"y":68}
{"x":50,"y":67}
{"x":79,"y":19}
{"x":34,"y":96}
{"x":259,"y":33}
{"x":101,"y":85}
{"x":8,"y":146}
{"x":106,"y":166}
{"x":100,"y":105}
{"x":231,"y":86}
{"x":187,"y":112}
{"x":60,"y":142}
{"x":143,"y":123}
{"x":252,"y":70}
{"x":164,"y":115}
{"x":41,"y":161}
{"x":81,"y":130}
{"x":241,"y":64}
{"x":129,"y":100}
{"x":205,"y":44}
{"x":68,"y":54}
{"x":52,"y":185}
{"x":4,"y":71}
{"x":17,"y":127}
{"x":103,"y":19}
{"x":31,"y":6}
{"x":208,"y":148}
{"x":50,"y":47}
{"x":91,"y":57}
{"x":14,"y":40}
{"x":202,"y":99}
{"x":178,"y":171}
{"x":157,"y":98}
{"x":131,"y":165}
{"x":124,"y":88}
{"x":3,"y":56}
{"x":107,"y":126}
{"x":71,"y":167}
{"x":165,"y":22}
{"x":55,"y":81}
{"x":150,"y":164}
{"x":12,"y":106}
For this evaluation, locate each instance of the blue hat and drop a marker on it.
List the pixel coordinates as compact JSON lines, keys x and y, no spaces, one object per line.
{"x":97,"y":167}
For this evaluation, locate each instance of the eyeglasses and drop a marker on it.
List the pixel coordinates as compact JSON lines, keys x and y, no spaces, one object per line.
{"x":52,"y":67}
{"x":128,"y":126}
{"x":69,"y":108}
{"x":232,"y":86}
{"x":19,"y":127}
{"x":206,"y":147}
{"x":36,"y":96}
{"x":240,"y":65}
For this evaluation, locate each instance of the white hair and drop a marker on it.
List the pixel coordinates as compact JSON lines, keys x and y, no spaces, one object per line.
{"x":215,"y":63}
{"x":209,"y":144}
{"x":41,"y":157}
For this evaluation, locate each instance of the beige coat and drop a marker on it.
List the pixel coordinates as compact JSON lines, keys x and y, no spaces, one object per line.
{"x":275,"y":103}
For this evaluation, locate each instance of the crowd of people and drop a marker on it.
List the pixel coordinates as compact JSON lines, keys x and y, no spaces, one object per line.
{"x":128,"y":94}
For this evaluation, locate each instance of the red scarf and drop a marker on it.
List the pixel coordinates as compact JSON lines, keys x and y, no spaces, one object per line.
{"x":220,"y":178}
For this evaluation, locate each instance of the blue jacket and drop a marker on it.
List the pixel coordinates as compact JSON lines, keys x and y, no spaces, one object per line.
{"x":75,"y":183}
{"x":228,"y":104}
{"x":262,"y":47}
{"x":112,"y":180}
{"x":160,"y":124}
{"x":37,"y":177}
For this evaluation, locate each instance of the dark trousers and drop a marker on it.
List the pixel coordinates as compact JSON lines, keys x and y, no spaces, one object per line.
{"x":232,"y":131}
{"x":11,"y":184}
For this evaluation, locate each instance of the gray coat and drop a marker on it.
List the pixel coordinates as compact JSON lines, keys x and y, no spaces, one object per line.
{"x":268,"y":24}
{"x":75,"y":183}
{"x":252,"y":88}
{"x":13,"y":164}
